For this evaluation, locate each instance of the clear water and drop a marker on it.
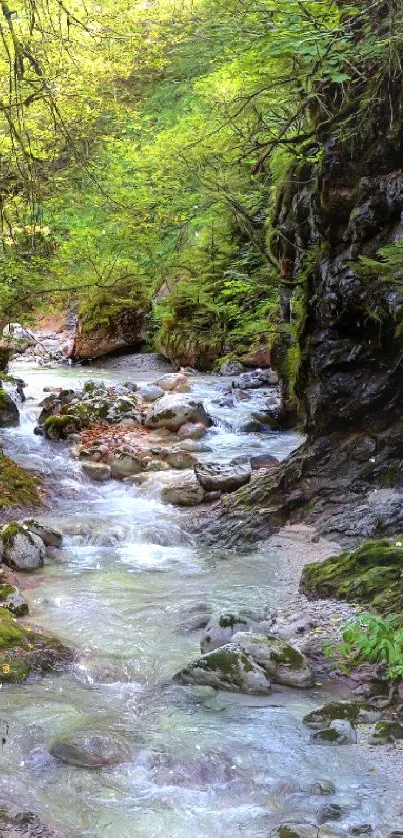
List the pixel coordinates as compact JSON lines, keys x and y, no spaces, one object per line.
{"x":202,"y":763}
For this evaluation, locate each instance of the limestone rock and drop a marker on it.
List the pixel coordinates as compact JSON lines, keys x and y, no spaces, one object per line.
{"x":339,"y":732}
{"x":100,"y":472}
{"x":125,"y":464}
{"x":387,"y":732}
{"x":356,"y":712}
{"x":227,"y":668}
{"x":151,"y":392}
{"x":220,"y":630}
{"x":125,"y":330}
{"x":192,"y":430}
{"x":50,"y":536}
{"x":282,"y":663}
{"x":172,"y":412}
{"x":187,"y":492}
{"x":22,"y":550}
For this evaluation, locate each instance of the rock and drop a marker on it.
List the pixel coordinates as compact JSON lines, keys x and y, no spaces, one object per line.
{"x":256,"y":379}
{"x":227,"y":668}
{"x":100,"y":472}
{"x":192,"y":445}
{"x":125,"y":330}
{"x":222,"y":478}
{"x":219,"y":631}
{"x":263,"y":461}
{"x":231,"y":368}
{"x":89,"y":751}
{"x":173,"y":381}
{"x":257,"y":358}
{"x":195,"y":617}
{"x":192,"y":430}
{"x":9,"y":413}
{"x":50,"y":536}
{"x":26,"y":825}
{"x":151,"y":392}
{"x":20,"y":333}
{"x":356,"y":712}
{"x":330,"y":812}
{"x":186,"y":493}
{"x":124,"y":464}
{"x":181,"y":459}
{"x":339,"y":732}
{"x":321,"y":787}
{"x":12,"y":599}
{"x":25,"y":651}
{"x":386,"y":732}
{"x":60,"y":427}
{"x":281,"y":662}
{"x":22,"y":550}
{"x":294,"y":830}
{"x":172,"y":412}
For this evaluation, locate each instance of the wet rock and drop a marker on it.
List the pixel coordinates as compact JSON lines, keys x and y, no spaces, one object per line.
{"x":220,"y":630}
{"x":231,"y":368}
{"x":321,"y":787}
{"x":339,"y":732}
{"x":12,"y":599}
{"x":60,"y":427}
{"x":125,"y":463}
{"x":187,"y":492}
{"x":25,"y":651}
{"x":100,"y":472}
{"x":172,"y":412}
{"x":151,"y":392}
{"x":194,"y":772}
{"x":387,"y":732}
{"x":195,"y":617}
{"x":295,"y":830}
{"x":222,"y":478}
{"x":356,"y":712}
{"x":227,"y":668}
{"x":282,"y":663}
{"x":9,"y":413}
{"x":89,"y":751}
{"x":50,"y":536}
{"x":263,"y":461}
{"x":22,"y":550}
{"x":181,"y":459}
{"x":254,"y":380}
{"x":192,"y":430}
{"x":330,"y":812}
{"x":25,"y":825}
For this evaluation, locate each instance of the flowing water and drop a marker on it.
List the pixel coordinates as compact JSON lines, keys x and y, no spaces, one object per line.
{"x":125,"y":585}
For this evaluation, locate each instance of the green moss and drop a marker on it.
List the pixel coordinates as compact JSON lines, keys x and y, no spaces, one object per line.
{"x":6,"y":591}
{"x":9,"y":532}
{"x":229,"y":620}
{"x":163,"y":414}
{"x":58,"y":421}
{"x":17,"y":487}
{"x":10,"y":633}
{"x":289,"y":657}
{"x":386,"y":732}
{"x":351,"y":711}
{"x":371,"y":574}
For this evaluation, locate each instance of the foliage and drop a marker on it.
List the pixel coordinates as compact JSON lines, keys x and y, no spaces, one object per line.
{"x":142,"y":147}
{"x":373,"y":639}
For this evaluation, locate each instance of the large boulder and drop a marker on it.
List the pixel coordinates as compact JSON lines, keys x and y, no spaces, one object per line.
{"x":99,"y":472}
{"x":125,"y":463}
{"x":222,"y":478}
{"x":19,"y":333}
{"x":151,"y":392}
{"x":282,"y":663}
{"x":127,"y":330}
{"x":227,"y":668}
{"x":12,"y":599}
{"x":22,"y":550}
{"x":9,"y":413}
{"x":172,"y":412}
{"x":174,"y":381}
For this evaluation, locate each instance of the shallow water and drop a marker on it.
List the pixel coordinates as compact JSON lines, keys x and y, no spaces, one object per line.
{"x":122,"y":589}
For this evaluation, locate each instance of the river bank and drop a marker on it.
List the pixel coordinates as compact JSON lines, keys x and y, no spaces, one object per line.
{"x":124,"y":590}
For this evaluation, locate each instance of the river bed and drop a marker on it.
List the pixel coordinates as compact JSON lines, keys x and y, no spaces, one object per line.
{"x":122,"y":590}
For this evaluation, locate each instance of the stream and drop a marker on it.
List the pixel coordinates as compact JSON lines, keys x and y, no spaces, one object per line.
{"x":122,"y":591}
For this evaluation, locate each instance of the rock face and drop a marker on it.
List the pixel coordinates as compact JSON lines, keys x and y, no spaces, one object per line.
{"x":126,"y":331}
{"x":349,"y":382}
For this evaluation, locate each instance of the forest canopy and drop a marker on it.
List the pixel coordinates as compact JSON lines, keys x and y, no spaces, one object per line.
{"x":143,"y":146}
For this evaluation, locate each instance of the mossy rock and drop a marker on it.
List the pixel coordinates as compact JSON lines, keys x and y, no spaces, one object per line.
{"x":227,"y":668}
{"x":371,"y":574}
{"x":282,"y":663}
{"x":387,"y":732}
{"x":24,"y":651}
{"x":17,"y":487}
{"x":59,"y":427}
{"x":352,"y":711}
